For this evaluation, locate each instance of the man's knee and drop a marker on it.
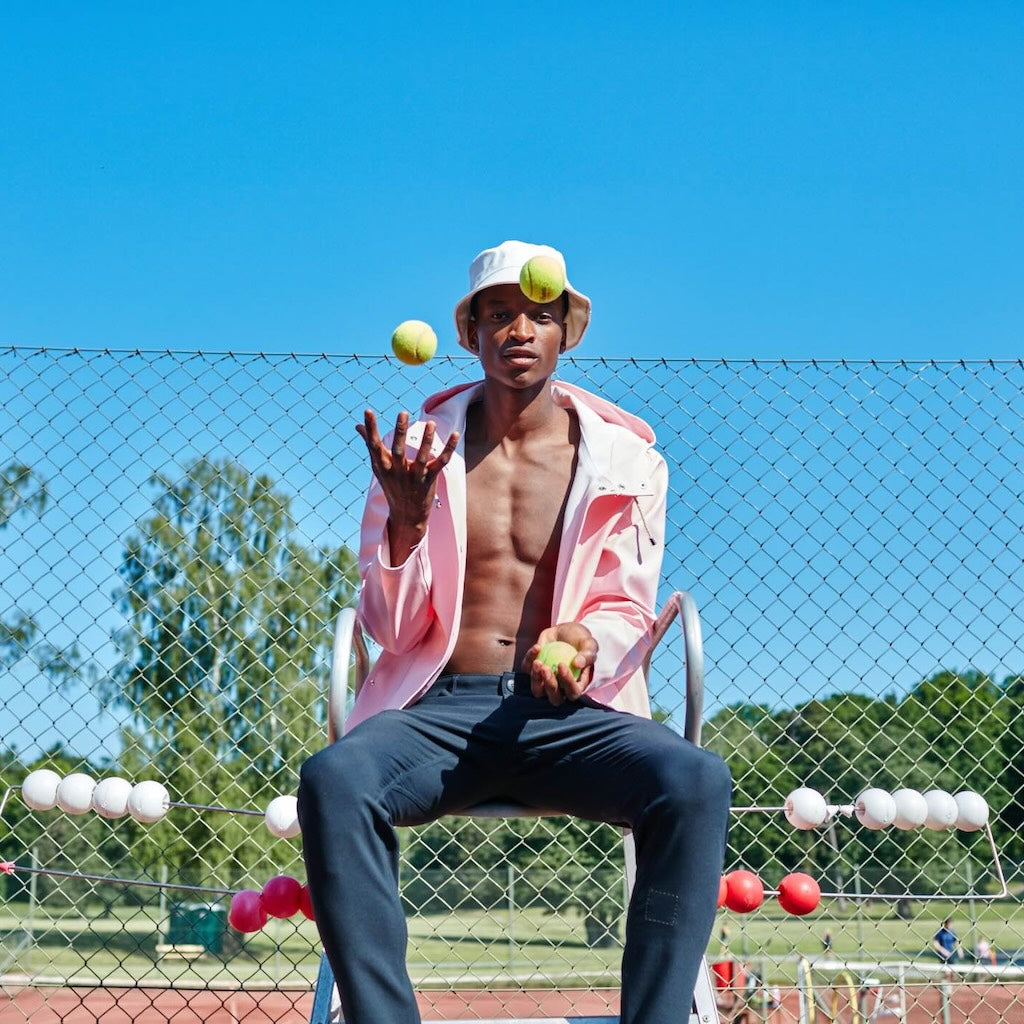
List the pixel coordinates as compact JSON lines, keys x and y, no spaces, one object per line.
{"x":715,"y":781}
{"x":694,"y":779}
{"x":336,"y":778}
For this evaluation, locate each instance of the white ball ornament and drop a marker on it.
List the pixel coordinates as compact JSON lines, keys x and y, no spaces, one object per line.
{"x":875,"y":808}
{"x":39,"y":789}
{"x":282,"y":817}
{"x":74,"y":794}
{"x":942,"y":810}
{"x":110,"y":797}
{"x":805,"y":808}
{"x":911,"y":809}
{"x":972,"y":811}
{"x":148,"y":801}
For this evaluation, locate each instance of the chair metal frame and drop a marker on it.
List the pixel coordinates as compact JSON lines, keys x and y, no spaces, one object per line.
{"x":348,"y":638}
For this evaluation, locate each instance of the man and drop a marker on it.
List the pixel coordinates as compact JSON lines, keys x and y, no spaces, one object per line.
{"x":945,"y":943}
{"x":512,"y":512}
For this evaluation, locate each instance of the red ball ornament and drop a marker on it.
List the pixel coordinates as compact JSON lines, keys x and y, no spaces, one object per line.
{"x":281,"y":896}
{"x":247,"y":913}
{"x":306,"y":903}
{"x":723,"y":890}
{"x":799,"y":894}
{"x":743,"y":891}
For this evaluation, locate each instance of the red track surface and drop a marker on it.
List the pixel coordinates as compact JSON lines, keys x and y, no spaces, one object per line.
{"x":971,"y":1004}
{"x":204,"y":1006}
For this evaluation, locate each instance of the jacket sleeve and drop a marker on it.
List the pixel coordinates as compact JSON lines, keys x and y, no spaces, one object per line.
{"x":621,"y":602}
{"x":394,"y":601}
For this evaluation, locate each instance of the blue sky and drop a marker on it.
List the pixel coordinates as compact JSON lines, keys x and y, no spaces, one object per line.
{"x":730,"y":180}
{"x":727,"y":181}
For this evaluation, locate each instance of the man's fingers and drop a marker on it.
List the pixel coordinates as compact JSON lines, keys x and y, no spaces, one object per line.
{"x":369,"y":430}
{"x":398,"y":441}
{"x":434,"y":466}
{"x":529,"y":658}
{"x":544,"y":684}
{"x":427,"y":441}
{"x":449,"y":448}
{"x":552,"y":688}
{"x":540,"y":680}
{"x":568,"y":684}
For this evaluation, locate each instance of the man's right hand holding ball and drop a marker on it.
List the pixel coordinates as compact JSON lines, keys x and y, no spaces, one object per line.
{"x":561,"y":662}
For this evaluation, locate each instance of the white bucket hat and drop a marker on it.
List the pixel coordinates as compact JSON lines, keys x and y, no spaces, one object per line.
{"x":502,"y":265}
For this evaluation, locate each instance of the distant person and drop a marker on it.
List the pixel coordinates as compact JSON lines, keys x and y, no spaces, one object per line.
{"x":826,"y":942}
{"x":983,"y":952}
{"x":945,"y":943}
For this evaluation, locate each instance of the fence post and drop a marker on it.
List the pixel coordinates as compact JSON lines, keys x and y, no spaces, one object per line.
{"x":833,"y":841}
{"x":860,"y":908}
{"x":33,"y":899}
{"x":511,"y":898}
{"x":164,"y":924}
{"x":944,"y":992}
{"x":972,"y":913}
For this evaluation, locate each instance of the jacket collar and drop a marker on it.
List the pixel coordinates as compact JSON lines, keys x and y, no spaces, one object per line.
{"x":617,"y":445}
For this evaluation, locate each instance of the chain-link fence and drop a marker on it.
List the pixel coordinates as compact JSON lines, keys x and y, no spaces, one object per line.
{"x":176,"y":538}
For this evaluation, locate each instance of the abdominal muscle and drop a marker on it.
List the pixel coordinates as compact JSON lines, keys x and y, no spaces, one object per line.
{"x":502,"y":615}
{"x":515,"y":509}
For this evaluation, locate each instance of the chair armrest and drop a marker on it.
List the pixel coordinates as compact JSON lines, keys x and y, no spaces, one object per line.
{"x":347,"y":635}
{"x":682,"y":604}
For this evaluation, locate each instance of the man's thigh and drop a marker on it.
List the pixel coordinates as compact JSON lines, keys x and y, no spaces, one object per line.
{"x":603,"y":764}
{"x":433,"y":758}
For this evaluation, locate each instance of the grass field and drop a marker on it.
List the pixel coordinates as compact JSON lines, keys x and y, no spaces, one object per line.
{"x":485,"y":948}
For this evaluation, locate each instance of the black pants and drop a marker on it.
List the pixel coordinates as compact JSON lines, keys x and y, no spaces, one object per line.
{"x":477,"y":738}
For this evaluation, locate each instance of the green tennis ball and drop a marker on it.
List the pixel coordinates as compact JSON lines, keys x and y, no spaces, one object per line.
{"x":542,"y":279}
{"x":414,"y":342}
{"x":556,"y":653}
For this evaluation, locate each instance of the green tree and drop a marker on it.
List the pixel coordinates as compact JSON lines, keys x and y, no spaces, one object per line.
{"x":23,"y":490}
{"x":961,"y":718}
{"x":20,"y":488}
{"x":752,"y":741}
{"x":226,"y":653}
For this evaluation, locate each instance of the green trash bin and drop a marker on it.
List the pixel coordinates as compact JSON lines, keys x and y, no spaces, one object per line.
{"x":198,"y":924}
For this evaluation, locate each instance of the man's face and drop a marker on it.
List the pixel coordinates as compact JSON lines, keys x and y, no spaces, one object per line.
{"x":518,"y":340}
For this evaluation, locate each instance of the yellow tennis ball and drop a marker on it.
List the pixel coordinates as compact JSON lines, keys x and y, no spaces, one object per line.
{"x":556,"y":653}
{"x":414,"y":342}
{"x":542,"y":278}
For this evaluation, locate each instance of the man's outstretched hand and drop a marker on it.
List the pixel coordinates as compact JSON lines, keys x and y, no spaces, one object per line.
{"x":409,"y":485}
{"x":562,"y":685}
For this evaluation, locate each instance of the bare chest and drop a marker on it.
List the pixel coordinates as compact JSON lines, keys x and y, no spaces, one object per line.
{"x":515,"y":507}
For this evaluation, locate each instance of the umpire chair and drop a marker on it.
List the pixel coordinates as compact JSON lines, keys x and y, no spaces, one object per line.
{"x":348,"y":637}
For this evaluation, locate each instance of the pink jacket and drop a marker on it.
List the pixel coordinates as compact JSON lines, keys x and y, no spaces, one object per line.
{"x":608,"y":565}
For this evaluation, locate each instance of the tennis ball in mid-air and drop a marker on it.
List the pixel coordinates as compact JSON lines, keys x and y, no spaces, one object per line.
{"x":556,"y":653}
{"x":542,"y":278}
{"x":414,"y":342}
